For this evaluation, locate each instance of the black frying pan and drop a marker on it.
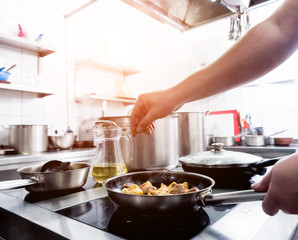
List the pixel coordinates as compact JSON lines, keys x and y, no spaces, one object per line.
{"x":167,"y":203}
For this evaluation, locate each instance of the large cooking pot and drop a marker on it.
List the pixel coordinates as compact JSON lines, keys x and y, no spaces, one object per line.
{"x":28,"y":139}
{"x":158,"y":204}
{"x":150,"y":152}
{"x":226,"y":166}
{"x":192,"y":132}
{"x":37,"y":181}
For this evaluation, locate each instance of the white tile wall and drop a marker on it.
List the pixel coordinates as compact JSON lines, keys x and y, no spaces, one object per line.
{"x":164,"y":55}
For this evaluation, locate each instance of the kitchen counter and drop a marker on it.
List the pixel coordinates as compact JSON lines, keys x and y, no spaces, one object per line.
{"x":245,"y":221}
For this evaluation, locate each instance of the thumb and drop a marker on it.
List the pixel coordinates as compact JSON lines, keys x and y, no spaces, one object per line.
{"x":263,"y":185}
{"x":144,"y":123}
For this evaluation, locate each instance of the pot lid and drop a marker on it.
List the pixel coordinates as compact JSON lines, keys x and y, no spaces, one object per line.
{"x":219,"y":156}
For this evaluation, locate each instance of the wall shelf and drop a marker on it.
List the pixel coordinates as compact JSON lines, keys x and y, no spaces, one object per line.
{"x":126,"y":101}
{"x":26,"y":88}
{"x":26,"y":44}
{"x":106,"y":67}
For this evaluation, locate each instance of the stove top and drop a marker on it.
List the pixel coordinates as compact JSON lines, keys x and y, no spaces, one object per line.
{"x":88,"y":211}
{"x":104,"y":215}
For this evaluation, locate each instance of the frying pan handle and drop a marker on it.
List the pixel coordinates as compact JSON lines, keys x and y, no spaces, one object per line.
{"x":259,"y":167}
{"x":12,"y":184}
{"x":232,"y":197}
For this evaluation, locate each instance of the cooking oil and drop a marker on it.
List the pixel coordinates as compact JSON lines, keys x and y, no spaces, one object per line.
{"x":103,"y":171}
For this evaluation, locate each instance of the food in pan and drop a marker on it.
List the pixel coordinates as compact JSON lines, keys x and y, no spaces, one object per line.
{"x":148,"y":189}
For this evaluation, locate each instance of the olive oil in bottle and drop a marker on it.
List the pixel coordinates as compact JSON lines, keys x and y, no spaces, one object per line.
{"x":103,"y":171}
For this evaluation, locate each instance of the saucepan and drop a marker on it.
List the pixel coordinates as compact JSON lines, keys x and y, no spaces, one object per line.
{"x":159,"y":204}
{"x":50,"y":177}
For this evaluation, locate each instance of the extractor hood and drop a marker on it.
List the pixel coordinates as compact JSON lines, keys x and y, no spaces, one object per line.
{"x":187,"y":14}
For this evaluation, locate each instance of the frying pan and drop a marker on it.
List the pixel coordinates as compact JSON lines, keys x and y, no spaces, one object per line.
{"x":36,"y":181}
{"x":158,"y":204}
{"x":226,"y":166}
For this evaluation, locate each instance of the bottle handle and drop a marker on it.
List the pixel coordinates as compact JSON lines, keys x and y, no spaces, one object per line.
{"x":125,"y":134}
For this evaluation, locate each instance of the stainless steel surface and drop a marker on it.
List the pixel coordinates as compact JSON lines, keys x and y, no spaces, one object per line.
{"x":12,"y":184}
{"x":50,"y":181}
{"x":255,"y":140}
{"x":233,"y":197}
{"x":188,"y":14}
{"x":192,"y":132}
{"x":151,"y":152}
{"x":73,"y":199}
{"x":20,"y":213}
{"x":28,"y":139}
{"x":245,"y":221}
{"x":62,"y":142}
{"x":227,"y":141}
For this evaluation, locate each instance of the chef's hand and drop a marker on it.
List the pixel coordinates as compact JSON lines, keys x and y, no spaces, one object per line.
{"x":149,"y":107}
{"x":281,"y":184}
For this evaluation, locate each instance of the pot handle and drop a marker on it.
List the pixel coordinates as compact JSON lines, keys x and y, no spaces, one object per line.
{"x":230,"y":197}
{"x":13,"y":184}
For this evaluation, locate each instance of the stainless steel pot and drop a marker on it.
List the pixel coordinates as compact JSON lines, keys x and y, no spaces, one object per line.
{"x":229,"y":140}
{"x":28,"y":139}
{"x":150,"y":152}
{"x":192,"y":132}
{"x":255,"y":140}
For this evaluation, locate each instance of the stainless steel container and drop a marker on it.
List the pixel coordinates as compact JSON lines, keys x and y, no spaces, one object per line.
{"x":28,"y":139}
{"x":151,"y":152}
{"x":192,"y":132}
{"x":255,"y":140}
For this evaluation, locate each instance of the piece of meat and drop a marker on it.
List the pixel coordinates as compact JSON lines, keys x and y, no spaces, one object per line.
{"x":177,"y":188}
{"x":126,"y":185}
{"x":194,"y":189}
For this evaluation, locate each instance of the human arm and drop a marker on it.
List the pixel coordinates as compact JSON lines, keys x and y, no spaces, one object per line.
{"x":263,"y":48}
{"x":281,"y":187}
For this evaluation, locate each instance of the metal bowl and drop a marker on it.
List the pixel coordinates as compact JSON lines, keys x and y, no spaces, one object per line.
{"x":62,"y":142}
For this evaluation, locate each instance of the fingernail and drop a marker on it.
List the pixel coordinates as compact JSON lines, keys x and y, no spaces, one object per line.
{"x":139,"y":130}
{"x":254,"y":185}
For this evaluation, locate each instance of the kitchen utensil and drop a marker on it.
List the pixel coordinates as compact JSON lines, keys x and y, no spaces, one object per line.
{"x":157,"y":151}
{"x":228,"y":141}
{"x":28,"y":139}
{"x":36,"y":181}
{"x":159,"y":204}
{"x":192,"y":132}
{"x":55,"y":166}
{"x":6,"y":150}
{"x":4,"y":75}
{"x":255,"y":140}
{"x":226,"y":166}
{"x":108,"y":160}
{"x":62,"y":142}
{"x":283,"y":141}
{"x":11,"y":67}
